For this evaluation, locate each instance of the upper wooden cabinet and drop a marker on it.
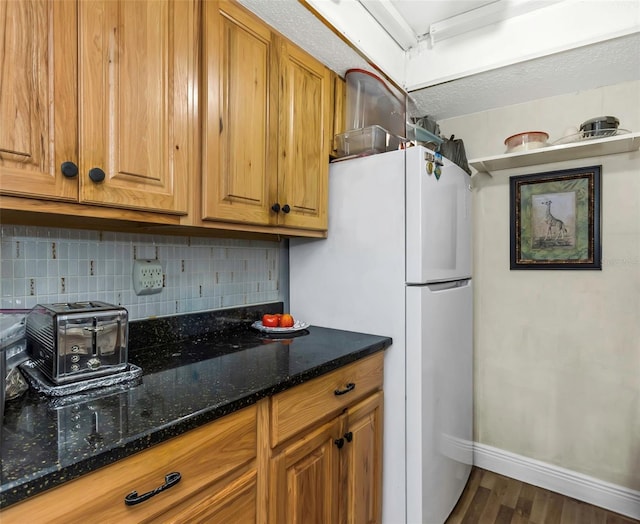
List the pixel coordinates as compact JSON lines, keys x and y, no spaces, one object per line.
{"x":266,"y":125}
{"x":38,"y":98}
{"x":107,"y":86}
{"x":339,"y":109}
{"x":304,"y":139}
{"x":180,"y":112}
{"x":137,"y":67}
{"x":239,"y":154}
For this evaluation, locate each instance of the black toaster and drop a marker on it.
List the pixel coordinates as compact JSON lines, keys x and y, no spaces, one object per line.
{"x":69,"y":342}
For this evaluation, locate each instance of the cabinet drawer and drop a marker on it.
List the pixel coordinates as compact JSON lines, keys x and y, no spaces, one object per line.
{"x":298,"y":408}
{"x":202,"y":456}
{"x":233,"y":502}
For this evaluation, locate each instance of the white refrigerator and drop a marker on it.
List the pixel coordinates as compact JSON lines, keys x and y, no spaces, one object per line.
{"x":397,"y":262}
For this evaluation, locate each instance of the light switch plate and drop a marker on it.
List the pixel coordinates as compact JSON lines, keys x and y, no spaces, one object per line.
{"x":147,"y":277}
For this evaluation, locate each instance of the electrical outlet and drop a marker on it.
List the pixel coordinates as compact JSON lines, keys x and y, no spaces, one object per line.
{"x":147,"y":277}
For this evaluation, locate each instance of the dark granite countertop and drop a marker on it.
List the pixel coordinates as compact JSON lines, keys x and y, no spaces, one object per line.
{"x":196,"y":368}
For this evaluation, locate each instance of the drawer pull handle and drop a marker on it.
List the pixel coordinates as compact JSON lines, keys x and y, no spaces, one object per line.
{"x":348,"y":436}
{"x":350,"y":387}
{"x":170,"y":479}
{"x":339,"y":442}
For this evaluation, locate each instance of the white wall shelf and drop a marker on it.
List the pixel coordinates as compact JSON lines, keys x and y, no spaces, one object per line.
{"x":546,"y":155}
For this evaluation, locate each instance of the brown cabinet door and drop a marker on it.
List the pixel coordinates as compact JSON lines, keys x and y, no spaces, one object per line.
{"x":363,"y":462}
{"x":239,"y":123}
{"x":304,"y":139}
{"x":305,"y":479}
{"x":136,"y":77}
{"x":38,"y":98}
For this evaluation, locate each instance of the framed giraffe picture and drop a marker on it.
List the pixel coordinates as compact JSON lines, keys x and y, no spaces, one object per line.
{"x":555,"y":220}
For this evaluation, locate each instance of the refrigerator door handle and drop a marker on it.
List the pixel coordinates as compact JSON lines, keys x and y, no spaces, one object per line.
{"x":444,"y":286}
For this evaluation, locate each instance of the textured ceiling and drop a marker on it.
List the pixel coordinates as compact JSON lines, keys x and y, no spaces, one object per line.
{"x":432,"y":11}
{"x":580,"y":69}
{"x":300,"y":26}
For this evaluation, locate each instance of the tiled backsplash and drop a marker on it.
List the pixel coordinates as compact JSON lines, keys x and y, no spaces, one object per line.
{"x":47,"y":265}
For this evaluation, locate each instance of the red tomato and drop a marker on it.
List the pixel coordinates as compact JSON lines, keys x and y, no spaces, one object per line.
{"x":270,"y":320}
{"x":286,"y":320}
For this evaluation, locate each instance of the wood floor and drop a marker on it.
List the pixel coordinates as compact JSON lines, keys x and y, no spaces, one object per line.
{"x":490,"y":498}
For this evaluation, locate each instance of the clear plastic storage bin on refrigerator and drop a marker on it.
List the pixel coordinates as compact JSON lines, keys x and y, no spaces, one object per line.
{"x":367,"y":141}
{"x":372,"y":102}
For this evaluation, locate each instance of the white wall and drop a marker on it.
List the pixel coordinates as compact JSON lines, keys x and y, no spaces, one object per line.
{"x":557,"y":353}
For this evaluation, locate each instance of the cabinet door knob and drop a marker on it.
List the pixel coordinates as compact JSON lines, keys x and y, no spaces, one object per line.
{"x":286,"y":208}
{"x":96,"y":174}
{"x":348,"y":436}
{"x":339,"y":442}
{"x":350,"y":387}
{"x":69,"y":169}
{"x":170,"y":479}
{"x":276,"y":207}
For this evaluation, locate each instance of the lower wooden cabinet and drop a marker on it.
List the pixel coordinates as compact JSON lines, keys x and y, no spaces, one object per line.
{"x":305,"y":484}
{"x":330,"y":471}
{"x":231,"y":501}
{"x":253,"y":466}
{"x":332,"y":474}
{"x":362,"y":459}
{"x":209,"y":459}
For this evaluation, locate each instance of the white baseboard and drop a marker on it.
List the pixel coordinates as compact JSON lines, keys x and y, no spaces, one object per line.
{"x":554,"y":478}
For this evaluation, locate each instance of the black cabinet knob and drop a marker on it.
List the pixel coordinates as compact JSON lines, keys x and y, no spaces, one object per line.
{"x":276,"y":207}
{"x":96,"y":174}
{"x":348,"y":436}
{"x":69,"y":169}
{"x":286,"y":208}
{"x":339,"y":442}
